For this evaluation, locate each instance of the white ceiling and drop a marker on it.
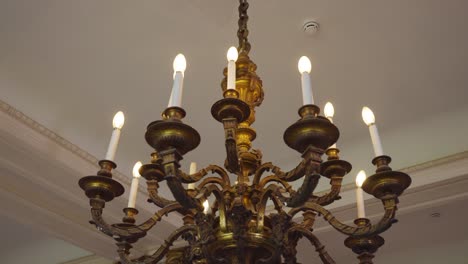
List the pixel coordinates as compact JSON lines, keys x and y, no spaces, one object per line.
{"x":23,"y":244}
{"x":71,"y":65}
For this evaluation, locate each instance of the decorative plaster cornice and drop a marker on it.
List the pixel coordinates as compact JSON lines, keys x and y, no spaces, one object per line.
{"x":51,"y":135}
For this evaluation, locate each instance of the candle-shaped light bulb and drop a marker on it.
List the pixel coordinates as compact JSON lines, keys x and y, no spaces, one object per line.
{"x":119,"y":120}
{"x":179,"y":65}
{"x":329,"y":111}
{"x":368,"y":116}
{"x":134,"y":186}
{"x":193,"y":170}
{"x":206,"y":206}
{"x":117,"y":123}
{"x":305,"y":67}
{"x":360,"y":178}
{"x":232,"y":55}
{"x":369,"y":119}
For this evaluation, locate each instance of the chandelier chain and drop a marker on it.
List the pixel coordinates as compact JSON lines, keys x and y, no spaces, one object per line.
{"x":243,"y":31}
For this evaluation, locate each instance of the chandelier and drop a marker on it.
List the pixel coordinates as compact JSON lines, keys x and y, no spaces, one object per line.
{"x":239,"y":226}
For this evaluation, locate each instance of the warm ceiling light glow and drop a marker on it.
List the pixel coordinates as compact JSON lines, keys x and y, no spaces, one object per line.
{"x":368,"y":116}
{"x":304,"y":65}
{"x":360,"y":178}
{"x":119,"y":120}
{"x":136,"y":169}
{"x":329,"y":110}
{"x":180,"y":64}
{"x":232,"y":54}
{"x":206,"y":206}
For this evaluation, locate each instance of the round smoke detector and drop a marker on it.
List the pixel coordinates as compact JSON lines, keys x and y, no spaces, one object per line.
{"x":311,"y":28}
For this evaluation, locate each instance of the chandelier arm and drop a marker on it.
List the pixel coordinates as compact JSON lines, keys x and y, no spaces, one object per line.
{"x":289,"y":176}
{"x":190,"y":178}
{"x":164,"y":248}
{"x":323,"y":254}
{"x":305,"y":191}
{"x":152,"y":187}
{"x":124,"y":251}
{"x":213,"y":189}
{"x":275,"y":178}
{"x":331,"y":196}
{"x":261,"y":208}
{"x":128,"y":231}
{"x":214,"y":180}
{"x":293,"y":174}
{"x":390,"y":205}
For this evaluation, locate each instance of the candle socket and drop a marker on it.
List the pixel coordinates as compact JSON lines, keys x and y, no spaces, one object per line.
{"x":386,"y":183}
{"x":309,"y":111}
{"x":381,"y":162}
{"x":173,"y":113}
{"x":332,"y":153}
{"x":231,"y":93}
{"x":106,"y":168}
{"x":364,"y":247}
{"x":130,"y":214}
{"x":311,"y":130}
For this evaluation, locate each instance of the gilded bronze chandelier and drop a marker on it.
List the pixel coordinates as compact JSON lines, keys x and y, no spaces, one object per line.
{"x":238,"y":227}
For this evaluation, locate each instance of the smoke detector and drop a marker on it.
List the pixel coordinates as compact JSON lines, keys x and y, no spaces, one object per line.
{"x":311,"y":28}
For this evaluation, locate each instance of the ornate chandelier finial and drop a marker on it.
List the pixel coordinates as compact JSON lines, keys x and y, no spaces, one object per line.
{"x":238,"y":227}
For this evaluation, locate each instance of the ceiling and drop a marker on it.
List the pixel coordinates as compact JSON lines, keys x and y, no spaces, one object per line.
{"x":24,"y":244}
{"x":70,"y":65}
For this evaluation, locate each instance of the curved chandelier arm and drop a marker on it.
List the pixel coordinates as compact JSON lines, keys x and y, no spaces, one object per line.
{"x":190,"y":178}
{"x":97,"y":207}
{"x":331,"y":196}
{"x":213,"y":189}
{"x":214,"y":180}
{"x":154,"y":195}
{"x":157,"y":256}
{"x":305,"y":191}
{"x":289,"y":176}
{"x":385,"y":223}
{"x":268,"y":193}
{"x":323,"y":254}
{"x":274,"y":178}
{"x":164,"y":248}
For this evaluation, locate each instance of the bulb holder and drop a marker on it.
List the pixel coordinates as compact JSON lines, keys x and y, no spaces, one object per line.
{"x":230,"y":107}
{"x":385,"y":181}
{"x":172,"y":133}
{"x":152,"y":171}
{"x":364,"y":245}
{"x":335,"y":168}
{"x":101,"y":187}
{"x":311,"y":130}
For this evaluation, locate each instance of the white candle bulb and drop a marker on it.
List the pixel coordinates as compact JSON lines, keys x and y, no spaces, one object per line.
{"x":360,"y":178}
{"x":206,"y":206}
{"x":193,"y":170}
{"x":329,"y":111}
{"x":232,"y":55}
{"x":119,"y":120}
{"x":117,"y":123}
{"x":179,"y":65}
{"x":305,"y":67}
{"x":369,"y":119}
{"x":368,"y":116}
{"x":134,"y":186}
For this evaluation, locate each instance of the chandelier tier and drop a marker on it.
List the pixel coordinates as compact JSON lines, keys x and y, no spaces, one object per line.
{"x":239,"y":227}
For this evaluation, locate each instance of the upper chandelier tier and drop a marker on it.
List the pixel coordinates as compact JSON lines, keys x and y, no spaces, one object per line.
{"x":239,"y":227}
